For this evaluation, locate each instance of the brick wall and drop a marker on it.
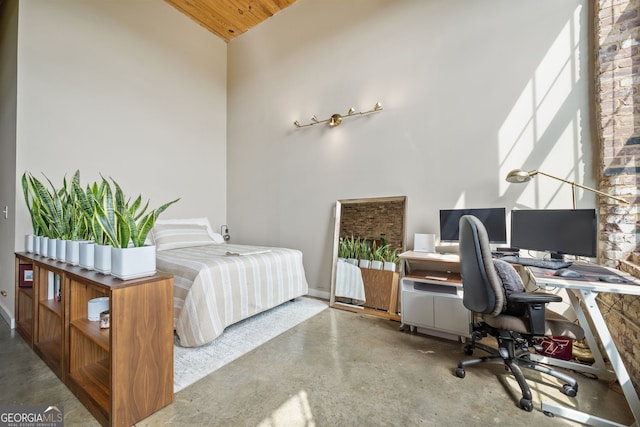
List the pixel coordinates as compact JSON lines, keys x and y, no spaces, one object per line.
{"x":617,"y":112}
{"x":374,"y":220}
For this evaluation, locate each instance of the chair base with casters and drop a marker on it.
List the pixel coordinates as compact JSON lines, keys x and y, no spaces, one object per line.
{"x":513,"y":352}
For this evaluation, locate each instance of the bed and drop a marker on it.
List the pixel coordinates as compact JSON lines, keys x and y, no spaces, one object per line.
{"x":217,"y":284}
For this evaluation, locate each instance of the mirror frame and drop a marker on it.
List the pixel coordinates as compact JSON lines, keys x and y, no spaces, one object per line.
{"x":336,"y":241}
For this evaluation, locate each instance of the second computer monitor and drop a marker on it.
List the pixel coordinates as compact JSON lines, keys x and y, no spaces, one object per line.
{"x":558,"y":231}
{"x":494,"y":220}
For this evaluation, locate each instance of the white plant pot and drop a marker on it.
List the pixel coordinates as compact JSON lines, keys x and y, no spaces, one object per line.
{"x":353,"y":261}
{"x":102,"y":258}
{"x":376,"y":265}
{"x":51,"y":248}
{"x":61,"y":250}
{"x":28,"y":243}
{"x":390,"y":266}
{"x":86,"y":250}
{"x":131,"y":263}
{"x":36,"y":245}
{"x":72,"y":254}
{"x":364,"y":263}
{"x":44,"y":246}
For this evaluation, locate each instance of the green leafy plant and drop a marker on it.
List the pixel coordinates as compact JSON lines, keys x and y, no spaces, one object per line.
{"x":34,"y":205}
{"x":84,"y":209}
{"x":365,"y":250}
{"x":355,"y":248}
{"x":76,"y":228}
{"x":99,"y":212}
{"x":133,"y":221}
{"x":391,"y":256}
{"x":120,"y":222}
{"x":378,"y":253}
{"x":343,"y":248}
{"x":96,"y":205}
{"x":47,"y":207}
{"x":352,"y":247}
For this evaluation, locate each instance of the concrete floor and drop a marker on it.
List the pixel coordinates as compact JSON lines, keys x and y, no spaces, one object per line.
{"x":336,"y":369}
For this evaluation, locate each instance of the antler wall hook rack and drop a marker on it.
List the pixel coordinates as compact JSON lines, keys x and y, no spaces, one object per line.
{"x":336,"y":119}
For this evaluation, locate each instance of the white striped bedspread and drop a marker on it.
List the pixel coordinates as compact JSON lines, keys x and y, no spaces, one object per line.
{"x":213,"y":290}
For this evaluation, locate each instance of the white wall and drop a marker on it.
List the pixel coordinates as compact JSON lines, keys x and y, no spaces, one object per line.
{"x":8,"y":82}
{"x":131,"y":90}
{"x":470,"y":89}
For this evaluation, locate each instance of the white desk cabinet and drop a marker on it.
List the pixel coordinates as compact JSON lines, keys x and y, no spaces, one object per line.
{"x":431,"y":295}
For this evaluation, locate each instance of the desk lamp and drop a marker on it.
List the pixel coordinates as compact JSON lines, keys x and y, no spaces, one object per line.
{"x":519,"y":176}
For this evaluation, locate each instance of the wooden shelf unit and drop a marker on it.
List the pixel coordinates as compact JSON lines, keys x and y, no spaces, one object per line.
{"x":122,"y":374}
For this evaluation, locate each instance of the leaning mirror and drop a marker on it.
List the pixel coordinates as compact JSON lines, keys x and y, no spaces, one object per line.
{"x":368,"y":236}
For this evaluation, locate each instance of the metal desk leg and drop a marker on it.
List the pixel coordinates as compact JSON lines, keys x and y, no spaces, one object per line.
{"x":588,"y":334}
{"x":589,"y":299}
{"x":598,"y":368}
{"x":622,"y":375}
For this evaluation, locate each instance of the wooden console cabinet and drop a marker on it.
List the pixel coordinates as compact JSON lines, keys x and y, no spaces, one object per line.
{"x":121,"y":374}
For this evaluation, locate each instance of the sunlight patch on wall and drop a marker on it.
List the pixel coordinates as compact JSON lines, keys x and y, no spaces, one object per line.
{"x":542,"y":130}
{"x":555,"y":79}
{"x":516,"y":137}
{"x":462,"y":202}
{"x":543,"y":192}
{"x":295,"y":412}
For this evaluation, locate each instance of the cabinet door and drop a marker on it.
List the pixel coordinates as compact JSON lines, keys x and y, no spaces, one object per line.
{"x":48,"y":340}
{"x":451,"y":315}
{"x":24,"y":306}
{"x":417,"y":308}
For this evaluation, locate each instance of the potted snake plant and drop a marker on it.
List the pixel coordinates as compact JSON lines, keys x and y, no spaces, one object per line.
{"x":90,"y":233}
{"x":34,"y":205}
{"x":391,"y":259}
{"x":50,"y":214}
{"x":77,"y":228}
{"x":377,"y":255}
{"x":63,"y":202}
{"x":103,"y":223}
{"x":352,"y":250}
{"x":126,"y":224}
{"x":365,"y":254}
{"x":343,"y":250}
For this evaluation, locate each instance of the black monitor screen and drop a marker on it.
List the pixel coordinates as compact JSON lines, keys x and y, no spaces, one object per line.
{"x":562,"y":231}
{"x":494,"y":220}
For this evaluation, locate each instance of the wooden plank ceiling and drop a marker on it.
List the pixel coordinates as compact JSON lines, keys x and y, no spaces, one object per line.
{"x":229,"y":18}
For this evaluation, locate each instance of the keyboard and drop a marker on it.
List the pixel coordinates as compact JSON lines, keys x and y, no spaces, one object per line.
{"x":551,"y":264}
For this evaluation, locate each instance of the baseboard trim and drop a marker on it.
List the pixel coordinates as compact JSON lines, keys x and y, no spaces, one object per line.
{"x":319,"y":294}
{"x":10,"y":320}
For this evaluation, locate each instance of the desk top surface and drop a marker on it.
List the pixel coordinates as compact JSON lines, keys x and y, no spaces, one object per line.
{"x":589,"y":281}
{"x":430,"y":256}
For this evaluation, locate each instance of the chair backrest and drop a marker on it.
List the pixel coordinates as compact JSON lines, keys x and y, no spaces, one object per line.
{"x":483,"y":292}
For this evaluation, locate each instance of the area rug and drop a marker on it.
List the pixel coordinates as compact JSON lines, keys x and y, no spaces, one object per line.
{"x":192,"y":364}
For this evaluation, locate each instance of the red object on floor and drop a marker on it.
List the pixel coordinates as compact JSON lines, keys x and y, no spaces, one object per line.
{"x":556,"y":347}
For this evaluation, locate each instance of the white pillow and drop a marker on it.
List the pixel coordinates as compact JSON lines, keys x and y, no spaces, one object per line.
{"x":174,"y":236}
{"x":217,"y":237}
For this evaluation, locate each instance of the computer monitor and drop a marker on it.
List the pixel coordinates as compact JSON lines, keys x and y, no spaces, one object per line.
{"x":557,"y":231}
{"x":494,"y":220}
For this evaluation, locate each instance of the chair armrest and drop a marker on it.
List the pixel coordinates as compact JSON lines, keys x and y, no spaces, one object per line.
{"x":534,"y":297}
{"x":536,"y":308}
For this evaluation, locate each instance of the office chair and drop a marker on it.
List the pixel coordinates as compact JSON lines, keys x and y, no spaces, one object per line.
{"x":494,"y":289}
